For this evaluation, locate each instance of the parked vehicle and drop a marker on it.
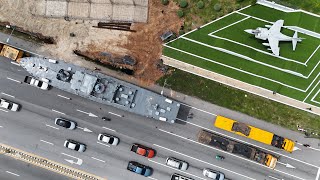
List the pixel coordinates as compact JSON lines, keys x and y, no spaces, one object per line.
{"x":74,"y":145}
{"x":65,"y":123}
{"x":107,"y":138}
{"x":37,"y":83}
{"x":176,"y":176}
{"x":143,"y":150}
{"x":212,"y":174}
{"x":176,"y":163}
{"x":9,"y":105}
{"x":139,"y":168}
{"x":219,"y":157}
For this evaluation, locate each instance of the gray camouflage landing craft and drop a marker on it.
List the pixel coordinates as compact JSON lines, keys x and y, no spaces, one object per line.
{"x":273,"y":35}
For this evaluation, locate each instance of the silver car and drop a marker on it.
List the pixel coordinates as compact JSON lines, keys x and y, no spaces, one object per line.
{"x":74,"y":145}
{"x":108,"y":139}
{"x":176,"y":163}
{"x":212,"y":174}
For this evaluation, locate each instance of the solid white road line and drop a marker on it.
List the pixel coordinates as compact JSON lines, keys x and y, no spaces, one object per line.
{"x":46,"y":142}
{"x":176,"y":169}
{"x":203,"y":161}
{"x":152,"y":178}
{"x":274,"y":178}
{"x":109,"y":129}
{"x":1,"y":127}
{"x":12,"y":62}
{"x":115,"y":114}
{"x":14,"y":80}
{"x":3,"y":110}
{"x":318,"y":175}
{"x":310,"y":147}
{"x":198,"y":109}
{"x":8,"y":95}
{"x":58,"y":112}
{"x":274,"y":152}
{"x":12,"y":173}
{"x":64,"y":97}
{"x":98,"y":159}
{"x":52,"y":126}
{"x":288,"y":174}
{"x":103,"y":144}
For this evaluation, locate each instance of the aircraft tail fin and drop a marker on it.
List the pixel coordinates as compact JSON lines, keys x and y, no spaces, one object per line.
{"x":295,"y":40}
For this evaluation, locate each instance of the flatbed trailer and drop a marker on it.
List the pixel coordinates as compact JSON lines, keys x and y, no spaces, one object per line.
{"x":238,"y":148}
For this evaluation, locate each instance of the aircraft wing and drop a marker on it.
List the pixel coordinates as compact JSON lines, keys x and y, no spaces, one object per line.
{"x":274,"y":45}
{"x":276,"y":27}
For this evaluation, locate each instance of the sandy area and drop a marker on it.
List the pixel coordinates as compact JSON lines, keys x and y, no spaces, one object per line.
{"x":144,"y":45}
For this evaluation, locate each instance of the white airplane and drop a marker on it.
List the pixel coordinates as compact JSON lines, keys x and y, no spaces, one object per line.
{"x":273,"y":35}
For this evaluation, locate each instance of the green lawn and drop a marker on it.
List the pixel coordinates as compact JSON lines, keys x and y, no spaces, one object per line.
{"x":241,"y":101}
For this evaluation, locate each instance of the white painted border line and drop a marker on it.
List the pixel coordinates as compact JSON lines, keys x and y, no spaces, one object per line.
{"x":230,"y":25}
{"x":246,"y":90}
{"x":52,"y":126}
{"x":115,"y":114}
{"x":14,"y":80}
{"x":12,"y":173}
{"x":64,"y":97}
{"x":103,"y":144}
{"x":58,"y":111}
{"x":98,"y":159}
{"x":46,"y":142}
{"x":230,"y":137}
{"x":12,"y":62}
{"x":108,"y":129}
{"x":202,"y":161}
{"x":7,"y":94}
{"x":175,"y":169}
{"x":318,"y":175}
{"x":152,"y":178}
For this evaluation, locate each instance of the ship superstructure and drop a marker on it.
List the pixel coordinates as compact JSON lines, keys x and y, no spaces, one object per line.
{"x":102,"y":88}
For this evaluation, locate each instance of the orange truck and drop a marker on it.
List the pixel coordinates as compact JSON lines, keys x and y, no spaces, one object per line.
{"x":10,"y":52}
{"x":254,"y":133}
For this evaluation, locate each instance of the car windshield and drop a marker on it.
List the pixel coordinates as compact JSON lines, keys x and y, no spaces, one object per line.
{"x":111,"y":140}
{"x":40,"y":84}
{"x":77,"y":147}
{"x":64,"y":123}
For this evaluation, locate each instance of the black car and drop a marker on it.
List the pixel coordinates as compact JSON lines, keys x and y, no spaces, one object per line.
{"x":65,"y":123}
{"x":139,"y":168}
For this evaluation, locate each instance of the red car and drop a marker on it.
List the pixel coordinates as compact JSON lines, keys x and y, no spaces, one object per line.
{"x":142,"y":150}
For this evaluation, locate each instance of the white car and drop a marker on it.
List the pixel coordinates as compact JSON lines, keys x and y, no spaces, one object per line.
{"x":108,"y":139}
{"x":9,"y":105}
{"x":65,"y":123}
{"x":74,"y":145}
{"x":212,"y":174}
{"x":35,"y":82}
{"x":176,"y":163}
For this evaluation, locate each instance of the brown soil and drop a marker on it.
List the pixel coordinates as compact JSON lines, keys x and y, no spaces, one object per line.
{"x":145,"y":45}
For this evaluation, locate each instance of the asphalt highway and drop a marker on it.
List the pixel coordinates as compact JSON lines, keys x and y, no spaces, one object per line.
{"x":33,"y":130}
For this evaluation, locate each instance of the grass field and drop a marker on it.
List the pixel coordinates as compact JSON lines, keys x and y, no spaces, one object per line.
{"x":223,"y":47}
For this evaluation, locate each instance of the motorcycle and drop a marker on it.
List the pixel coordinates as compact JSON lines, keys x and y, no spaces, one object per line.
{"x":106,"y":119}
{"x":218,"y":157}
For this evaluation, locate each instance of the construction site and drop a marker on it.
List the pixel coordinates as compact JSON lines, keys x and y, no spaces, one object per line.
{"x":98,"y":33}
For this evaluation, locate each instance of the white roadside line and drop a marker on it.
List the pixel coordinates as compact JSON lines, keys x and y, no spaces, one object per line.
{"x":98,"y":159}
{"x":176,"y":169}
{"x":103,"y":144}
{"x":274,"y":152}
{"x":64,"y":97}
{"x":289,"y":174}
{"x":58,"y":112}
{"x":1,"y":127}
{"x":152,"y":178}
{"x":198,"y":109}
{"x":46,"y":142}
{"x":12,"y":173}
{"x":7,"y":94}
{"x":3,"y":110}
{"x":115,"y":114}
{"x":109,"y":129}
{"x":14,"y":80}
{"x":274,"y":178}
{"x":52,"y":126}
{"x":12,"y":62}
{"x":204,"y":161}
{"x":310,"y":147}
{"x":226,"y":153}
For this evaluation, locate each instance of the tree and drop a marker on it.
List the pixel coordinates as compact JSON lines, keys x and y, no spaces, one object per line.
{"x":183,"y":4}
{"x":180,"y":13}
{"x":165,"y":2}
{"x":200,"y":5}
{"x":217,"y":7}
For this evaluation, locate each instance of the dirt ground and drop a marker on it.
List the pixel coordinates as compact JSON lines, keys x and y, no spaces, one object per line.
{"x":144,"y":44}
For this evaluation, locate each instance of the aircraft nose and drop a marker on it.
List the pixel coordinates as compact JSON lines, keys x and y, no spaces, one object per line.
{"x":250,"y":31}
